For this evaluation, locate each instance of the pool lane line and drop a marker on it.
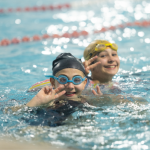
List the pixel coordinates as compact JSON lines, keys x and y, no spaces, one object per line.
{"x":35,"y":8}
{"x":26,"y":39}
{"x":74,"y":34}
{"x":75,"y":4}
{"x":50,"y":7}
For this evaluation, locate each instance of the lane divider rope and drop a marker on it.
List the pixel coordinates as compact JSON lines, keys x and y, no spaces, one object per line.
{"x":74,"y":34}
{"x":35,"y":8}
{"x":75,"y":4}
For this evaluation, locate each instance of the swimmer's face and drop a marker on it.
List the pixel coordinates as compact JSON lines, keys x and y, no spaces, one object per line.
{"x":109,"y":65}
{"x":72,"y":91}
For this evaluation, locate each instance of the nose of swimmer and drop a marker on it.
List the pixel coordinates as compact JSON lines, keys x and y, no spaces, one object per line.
{"x":111,"y":59}
{"x":70,"y":85}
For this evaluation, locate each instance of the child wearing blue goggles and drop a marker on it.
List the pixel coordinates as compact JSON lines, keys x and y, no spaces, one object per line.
{"x":68,"y":81}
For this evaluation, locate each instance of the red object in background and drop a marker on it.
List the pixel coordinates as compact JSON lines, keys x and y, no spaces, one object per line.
{"x":18,"y":9}
{"x":1,"y":10}
{"x":46,"y":36}
{"x":43,"y":8}
{"x":5,"y":42}
{"x":56,"y":36}
{"x":137,"y":23}
{"x":103,"y":30}
{"x":84,"y":33}
{"x":129,"y":24}
{"x":75,"y":34}
{"x":66,"y":35}
{"x":145,"y":23}
{"x":10,"y":10}
{"x":15,"y":41}
{"x":58,"y":7}
{"x":35,"y":8}
{"x":121,"y":26}
{"x":112,"y":28}
{"x":51,"y":7}
{"x":25,"y":39}
{"x":66,"y":5}
{"x":27,"y":9}
{"x":36,"y":38}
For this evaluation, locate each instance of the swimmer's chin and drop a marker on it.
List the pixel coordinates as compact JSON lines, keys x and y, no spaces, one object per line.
{"x":73,"y":98}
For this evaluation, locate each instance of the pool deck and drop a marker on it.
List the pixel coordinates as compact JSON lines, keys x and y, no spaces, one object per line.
{"x":9,"y":144}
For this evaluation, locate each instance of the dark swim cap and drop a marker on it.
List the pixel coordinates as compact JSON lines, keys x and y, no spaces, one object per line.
{"x":67,"y":60}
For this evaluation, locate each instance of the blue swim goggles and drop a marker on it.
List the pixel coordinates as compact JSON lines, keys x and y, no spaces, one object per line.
{"x":62,"y":79}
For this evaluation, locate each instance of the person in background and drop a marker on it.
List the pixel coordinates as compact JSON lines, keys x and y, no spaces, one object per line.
{"x":102,"y":60}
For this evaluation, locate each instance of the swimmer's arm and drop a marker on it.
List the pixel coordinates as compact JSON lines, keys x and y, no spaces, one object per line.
{"x":106,"y":100}
{"x":13,"y":108}
{"x":117,"y":99}
{"x":45,"y":96}
{"x":111,"y":99}
{"x":139,"y":100}
{"x":98,"y":100}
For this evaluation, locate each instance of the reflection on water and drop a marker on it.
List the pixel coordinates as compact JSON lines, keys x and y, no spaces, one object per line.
{"x":115,"y":126}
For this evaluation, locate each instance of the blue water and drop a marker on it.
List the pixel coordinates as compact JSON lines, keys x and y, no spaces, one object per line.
{"x":113,"y":127}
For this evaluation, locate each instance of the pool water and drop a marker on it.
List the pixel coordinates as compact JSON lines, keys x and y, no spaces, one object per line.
{"x":21,"y":65}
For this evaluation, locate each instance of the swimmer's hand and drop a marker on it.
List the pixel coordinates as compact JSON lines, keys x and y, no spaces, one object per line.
{"x":98,"y":93}
{"x":88,"y":64}
{"x":45,"y":95}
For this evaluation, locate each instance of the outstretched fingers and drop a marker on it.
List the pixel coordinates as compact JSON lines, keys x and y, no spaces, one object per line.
{"x":89,"y":64}
{"x":98,"y":93}
{"x":98,"y":90}
{"x":47,"y":89}
{"x":92,"y":59}
{"x":94,"y":92}
{"x":58,"y":92}
{"x":93,"y":65}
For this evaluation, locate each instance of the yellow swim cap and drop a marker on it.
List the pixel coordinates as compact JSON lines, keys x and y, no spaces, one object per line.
{"x":97,"y":46}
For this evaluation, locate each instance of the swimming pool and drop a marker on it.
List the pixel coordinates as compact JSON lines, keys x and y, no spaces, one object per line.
{"x":22,"y":65}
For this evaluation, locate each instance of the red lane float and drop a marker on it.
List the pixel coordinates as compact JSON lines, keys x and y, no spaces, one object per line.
{"x":45,"y":36}
{"x":15,"y":41}
{"x":66,"y":35}
{"x":75,"y":34}
{"x":36,"y":8}
{"x":36,"y":38}
{"x":5,"y":42}
{"x":25,"y":39}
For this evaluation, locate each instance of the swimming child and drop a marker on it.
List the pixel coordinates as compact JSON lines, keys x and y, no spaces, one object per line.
{"x":106,"y":53}
{"x":68,"y":81}
{"x":64,"y":95}
{"x":102,"y":60}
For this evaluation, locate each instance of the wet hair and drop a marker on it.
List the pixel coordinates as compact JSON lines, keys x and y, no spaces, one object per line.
{"x":67,"y":60}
